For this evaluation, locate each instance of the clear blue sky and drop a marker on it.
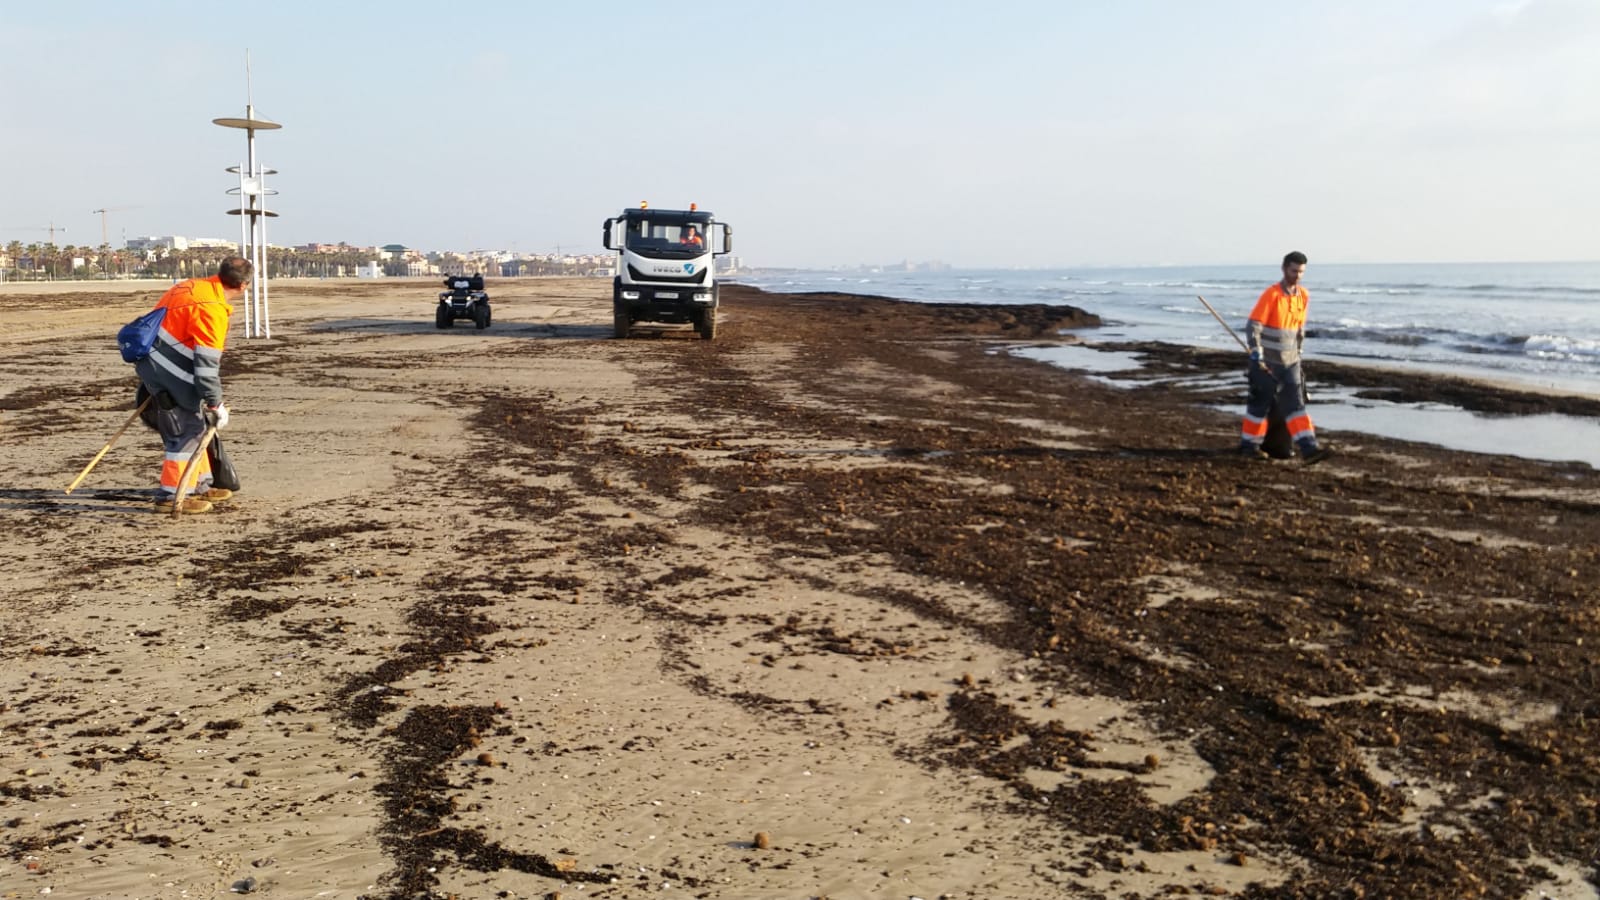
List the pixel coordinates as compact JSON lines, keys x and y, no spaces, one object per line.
{"x":1061,"y":132}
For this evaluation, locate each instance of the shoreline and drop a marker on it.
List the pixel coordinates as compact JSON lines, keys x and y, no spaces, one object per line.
{"x":1395,"y":368}
{"x":842,"y":603}
{"x":1398,"y":384}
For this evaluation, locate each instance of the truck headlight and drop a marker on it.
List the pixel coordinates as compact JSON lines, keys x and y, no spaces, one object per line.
{"x":702,"y":297}
{"x":630,"y":295}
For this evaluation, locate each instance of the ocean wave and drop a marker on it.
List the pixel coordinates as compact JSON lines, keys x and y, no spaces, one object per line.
{"x":1391,"y":335}
{"x":1393,"y":292}
{"x":1191,"y":285}
{"x":1361,"y":324}
{"x":1487,"y":288}
{"x":1548,"y":346}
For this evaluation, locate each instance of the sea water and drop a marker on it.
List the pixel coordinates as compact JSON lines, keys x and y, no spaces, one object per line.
{"x":1527,"y":325}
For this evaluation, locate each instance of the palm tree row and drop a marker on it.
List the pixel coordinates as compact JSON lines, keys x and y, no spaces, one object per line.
{"x":45,"y":262}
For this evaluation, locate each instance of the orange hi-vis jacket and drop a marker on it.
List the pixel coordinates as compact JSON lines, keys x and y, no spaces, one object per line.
{"x":187,"y":359}
{"x":1277,"y":325}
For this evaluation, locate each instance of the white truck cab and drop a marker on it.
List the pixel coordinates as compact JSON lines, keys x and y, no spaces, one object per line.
{"x":664,"y":267}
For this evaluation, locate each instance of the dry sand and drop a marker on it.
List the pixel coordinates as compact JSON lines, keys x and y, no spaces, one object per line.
{"x":842,"y":604}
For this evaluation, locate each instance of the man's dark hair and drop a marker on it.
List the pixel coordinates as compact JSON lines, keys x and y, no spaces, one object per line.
{"x":234,"y":271}
{"x":1295,"y":256}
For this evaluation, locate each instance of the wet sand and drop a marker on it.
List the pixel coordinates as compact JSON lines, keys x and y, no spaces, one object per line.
{"x":845,"y":603}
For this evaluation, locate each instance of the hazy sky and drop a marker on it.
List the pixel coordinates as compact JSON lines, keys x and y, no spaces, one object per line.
{"x":998,"y":133}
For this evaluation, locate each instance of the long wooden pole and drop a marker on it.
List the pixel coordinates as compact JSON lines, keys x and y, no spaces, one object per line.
{"x":1242,"y":345}
{"x":183,"y":480}
{"x":103,"y":450}
{"x":1234,"y":334}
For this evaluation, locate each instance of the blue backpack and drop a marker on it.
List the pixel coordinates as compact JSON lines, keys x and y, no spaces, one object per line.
{"x":137,"y":338}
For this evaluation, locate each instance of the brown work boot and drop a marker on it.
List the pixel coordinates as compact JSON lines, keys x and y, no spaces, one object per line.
{"x":190,"y":505}
{"x":213,"y":494}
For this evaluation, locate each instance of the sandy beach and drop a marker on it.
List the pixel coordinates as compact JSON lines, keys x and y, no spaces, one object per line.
{"x":846,"y":603}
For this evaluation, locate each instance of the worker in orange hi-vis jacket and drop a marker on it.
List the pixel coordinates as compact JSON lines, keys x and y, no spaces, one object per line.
{"x":1277,"y":334}
{"x":184,"y":375}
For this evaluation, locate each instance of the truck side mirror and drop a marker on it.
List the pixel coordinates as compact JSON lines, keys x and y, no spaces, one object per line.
{"x":727,"y":237}
{"x":605,"y":234}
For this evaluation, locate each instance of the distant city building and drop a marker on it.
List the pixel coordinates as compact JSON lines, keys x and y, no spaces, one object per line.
{"x":399,"y":251}
{"x":369,"y":270}
{"x":168,"y":242}
{"x":177,"y":243}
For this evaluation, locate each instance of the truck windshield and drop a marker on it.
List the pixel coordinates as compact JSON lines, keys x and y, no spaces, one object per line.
{"x":667,"y":239}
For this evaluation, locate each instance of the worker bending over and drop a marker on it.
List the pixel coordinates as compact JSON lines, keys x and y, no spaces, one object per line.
{"x":184,"y":375}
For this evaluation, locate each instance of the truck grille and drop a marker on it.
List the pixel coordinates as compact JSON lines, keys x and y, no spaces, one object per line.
{"x":697,"y":278}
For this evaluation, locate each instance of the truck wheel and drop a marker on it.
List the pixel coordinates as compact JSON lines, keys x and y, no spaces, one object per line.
{"x":620,"y":320}
{"x":480,"y":315}
{"x":442,"y":317}
{"x":706,"y":324}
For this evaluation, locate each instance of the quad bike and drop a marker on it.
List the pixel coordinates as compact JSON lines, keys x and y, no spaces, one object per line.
{"x":465,"y":299}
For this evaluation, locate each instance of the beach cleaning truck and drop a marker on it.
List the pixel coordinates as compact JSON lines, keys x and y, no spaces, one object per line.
{"x":664,"y":267}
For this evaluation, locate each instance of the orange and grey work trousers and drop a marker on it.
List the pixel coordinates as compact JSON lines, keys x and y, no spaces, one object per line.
{"x":1280,"y":386}
{"x":181,"y":431}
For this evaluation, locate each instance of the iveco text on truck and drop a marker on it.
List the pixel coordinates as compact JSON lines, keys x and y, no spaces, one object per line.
{"x":664,"y":267}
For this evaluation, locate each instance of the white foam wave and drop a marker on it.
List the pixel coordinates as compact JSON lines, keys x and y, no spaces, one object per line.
{"x":1365,"y":324}
{"x":1559,"y":347}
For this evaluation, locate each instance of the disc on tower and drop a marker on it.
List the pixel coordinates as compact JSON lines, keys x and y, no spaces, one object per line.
{"x":258,"y":124}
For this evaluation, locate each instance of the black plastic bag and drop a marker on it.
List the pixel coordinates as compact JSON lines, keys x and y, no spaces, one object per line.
{"x":147,"y":411}
{"x":223,"y":474}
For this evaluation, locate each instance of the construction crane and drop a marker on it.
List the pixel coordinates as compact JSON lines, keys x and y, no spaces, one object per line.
{"x":104,"y":241}
{"x":50,"y":228}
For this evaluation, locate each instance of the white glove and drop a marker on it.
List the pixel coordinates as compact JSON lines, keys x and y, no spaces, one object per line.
{"x":219,"y":416}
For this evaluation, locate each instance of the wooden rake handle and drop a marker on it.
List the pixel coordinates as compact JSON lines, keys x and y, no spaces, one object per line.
{"x":183,"y":480}
{"x":103,"y":450}
{"x":1242,"y":345}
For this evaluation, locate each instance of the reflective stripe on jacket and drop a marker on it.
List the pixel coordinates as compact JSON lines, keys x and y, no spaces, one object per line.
{"x":1277,"y":325}
{"x":187,"y":359}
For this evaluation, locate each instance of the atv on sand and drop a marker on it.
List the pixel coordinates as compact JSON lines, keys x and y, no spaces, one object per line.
{"x":466,"y":299}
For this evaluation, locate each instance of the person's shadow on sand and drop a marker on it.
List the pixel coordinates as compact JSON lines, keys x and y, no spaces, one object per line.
{"x":81,"y":498}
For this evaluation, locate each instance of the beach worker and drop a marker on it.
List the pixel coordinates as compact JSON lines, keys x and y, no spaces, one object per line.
{"x":184,"y":375}
{"x":1276,"y":334}
{"x":691,"y":238}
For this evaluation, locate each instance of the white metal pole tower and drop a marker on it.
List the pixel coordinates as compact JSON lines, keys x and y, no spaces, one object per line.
{"x":252,"y":191}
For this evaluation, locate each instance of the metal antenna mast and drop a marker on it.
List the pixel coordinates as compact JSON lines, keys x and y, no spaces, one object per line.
{"x":252,"y":191}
